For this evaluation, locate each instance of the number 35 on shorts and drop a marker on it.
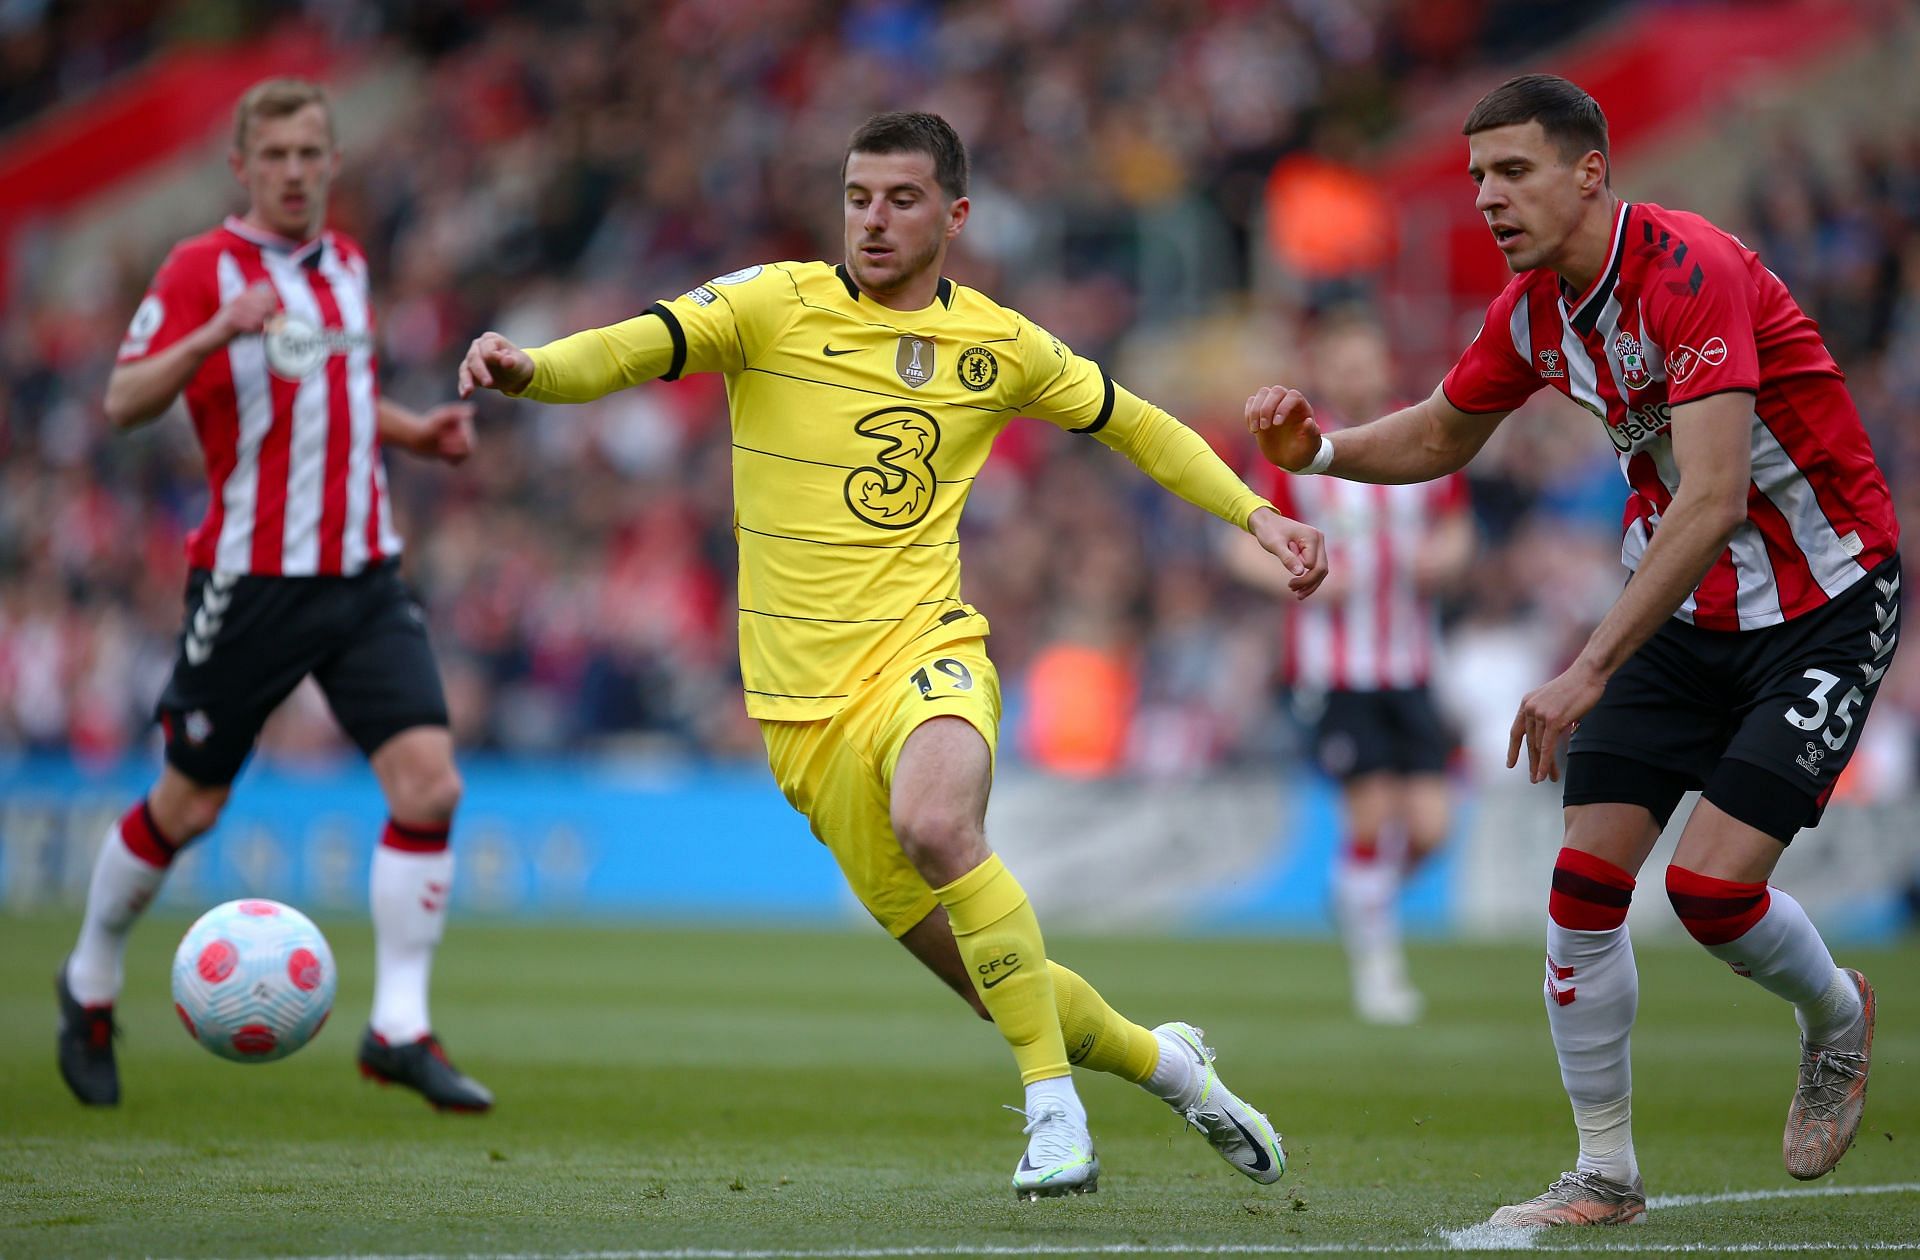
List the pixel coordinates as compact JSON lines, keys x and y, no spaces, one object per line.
{"x":1834,"y":721}
{"x":943,"y":677}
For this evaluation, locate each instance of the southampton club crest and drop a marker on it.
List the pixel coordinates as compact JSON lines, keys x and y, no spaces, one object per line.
{"x":1633,"y":364}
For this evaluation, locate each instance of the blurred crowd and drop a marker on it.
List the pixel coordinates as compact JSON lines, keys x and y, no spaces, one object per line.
{"x":561,"y":165}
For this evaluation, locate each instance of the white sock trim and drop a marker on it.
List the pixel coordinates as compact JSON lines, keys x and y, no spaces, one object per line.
{"x":1058,"y":1089}
{"x":1172,"y":1078}
{"x":1833,"y":1012}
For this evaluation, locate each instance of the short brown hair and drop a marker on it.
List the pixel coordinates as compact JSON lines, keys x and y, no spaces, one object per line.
{"x":277,"y":98}
{"x":915,"y":133}
{"x":1571,"y":118}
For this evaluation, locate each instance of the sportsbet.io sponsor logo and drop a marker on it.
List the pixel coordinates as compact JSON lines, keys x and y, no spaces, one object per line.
{"x":1641,"y":426}
{"x":296,"y":349}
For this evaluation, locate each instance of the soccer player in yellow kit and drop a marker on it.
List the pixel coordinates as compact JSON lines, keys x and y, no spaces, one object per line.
{"x":864,"y":399}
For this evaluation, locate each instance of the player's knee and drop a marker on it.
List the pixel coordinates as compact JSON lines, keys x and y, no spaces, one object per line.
{"x":942,"y":843}
{"x":428,"y":794}
{"x":184,"y":813}
{"x":1715,"y":911}
{"x":201,"y":813}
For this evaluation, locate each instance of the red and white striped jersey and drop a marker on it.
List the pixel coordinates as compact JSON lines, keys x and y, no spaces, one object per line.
{"x":1683,"y":310}
{"x":287,"y":420}
{"x":1377,"y":633}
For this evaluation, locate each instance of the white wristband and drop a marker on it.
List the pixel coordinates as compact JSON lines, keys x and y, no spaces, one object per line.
{"x":1322,"y":458}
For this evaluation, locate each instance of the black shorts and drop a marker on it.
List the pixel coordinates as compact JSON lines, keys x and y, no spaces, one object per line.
{"x":248,"y":641}
{"x":1377,"y":732}
{"x":1789,"y":700}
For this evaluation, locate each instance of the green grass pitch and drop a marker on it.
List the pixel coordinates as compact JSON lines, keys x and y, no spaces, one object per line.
{"x":755,"y":1092}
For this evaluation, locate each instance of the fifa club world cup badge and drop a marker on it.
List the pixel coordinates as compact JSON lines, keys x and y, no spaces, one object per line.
{"x":914,"y":361}
{"x":1633,"y":364}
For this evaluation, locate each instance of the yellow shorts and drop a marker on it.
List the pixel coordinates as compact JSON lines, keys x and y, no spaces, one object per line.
{"x":838,"y":771}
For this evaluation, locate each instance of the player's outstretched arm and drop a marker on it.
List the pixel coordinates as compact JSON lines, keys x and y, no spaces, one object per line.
{"x":493,"y":362}
{"x":582,"y":366}
{"x":1419,"y":443}
{"x":140,"y":390}
{"x":1180,"y":459}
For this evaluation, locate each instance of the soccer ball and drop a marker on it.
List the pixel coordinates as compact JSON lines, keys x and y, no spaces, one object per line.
{"x":253,"y":980}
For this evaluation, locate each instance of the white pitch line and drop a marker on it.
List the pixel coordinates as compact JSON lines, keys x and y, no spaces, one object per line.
{"x":1159,"y":1249}
{"x":1785,"y":1192}
{"x":1477,"y":1238}
{"x":1169,"y":1249}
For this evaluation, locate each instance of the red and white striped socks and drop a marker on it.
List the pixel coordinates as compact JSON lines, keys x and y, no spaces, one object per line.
{"x":132,"y":865}
{"x":412,"y":880}
{"x":1763,"y":934}
{"x":1592,"y":994}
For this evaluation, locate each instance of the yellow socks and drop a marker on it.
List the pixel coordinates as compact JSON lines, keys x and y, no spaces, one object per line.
{"x":999,"y":938}
{"x":1096,"y":1035}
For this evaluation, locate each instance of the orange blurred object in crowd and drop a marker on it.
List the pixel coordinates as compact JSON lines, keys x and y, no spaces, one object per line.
{"x":1326,"y":220}
{"x":1080,"y":710}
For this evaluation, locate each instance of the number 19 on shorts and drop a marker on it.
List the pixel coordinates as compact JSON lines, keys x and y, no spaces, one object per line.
{"x":944,"y":677}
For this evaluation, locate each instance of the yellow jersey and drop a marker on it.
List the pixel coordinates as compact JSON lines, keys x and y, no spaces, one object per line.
{"x":857,"y":433}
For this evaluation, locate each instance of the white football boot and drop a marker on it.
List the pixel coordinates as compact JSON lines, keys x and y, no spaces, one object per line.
{"x":1244,"y":1137}
{"x":1059,"y":1159}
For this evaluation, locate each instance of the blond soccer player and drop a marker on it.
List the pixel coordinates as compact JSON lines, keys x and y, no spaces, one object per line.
{"x":864,"y":398}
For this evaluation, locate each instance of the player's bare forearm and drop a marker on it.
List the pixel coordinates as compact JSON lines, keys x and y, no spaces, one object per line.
{"x":139,"y":391}
{"x":1691,"y":535}
{"x":444,"y":433}
{"x":1711,"y":448}
{"x":398,"y":425}
{"x":1426,"y":441}
{"x":1419,"y":443}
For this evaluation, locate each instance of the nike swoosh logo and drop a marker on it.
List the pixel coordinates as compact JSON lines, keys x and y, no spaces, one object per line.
{"x":1261,"y":1161}
{"x":988,"y":984}
{"x":831,"y":353}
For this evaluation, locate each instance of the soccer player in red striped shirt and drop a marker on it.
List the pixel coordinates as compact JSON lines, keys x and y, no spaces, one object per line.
{"x":264,"y":327}
{"x":1744,"y":652}
{"x":1359,"y":658}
